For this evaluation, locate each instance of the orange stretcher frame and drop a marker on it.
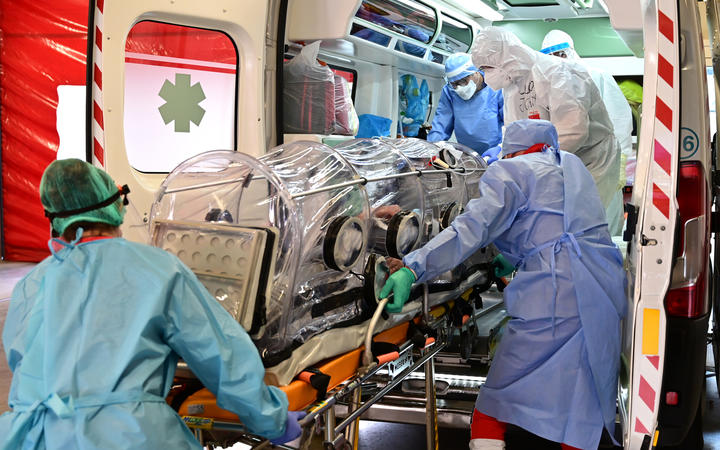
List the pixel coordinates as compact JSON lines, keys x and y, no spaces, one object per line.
{"x":300,"y":393}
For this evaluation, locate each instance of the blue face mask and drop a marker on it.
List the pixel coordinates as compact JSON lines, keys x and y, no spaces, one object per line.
{"x":467,"y":91}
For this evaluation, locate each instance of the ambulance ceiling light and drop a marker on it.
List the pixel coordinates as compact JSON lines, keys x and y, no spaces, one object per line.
{"x":477,"y":8}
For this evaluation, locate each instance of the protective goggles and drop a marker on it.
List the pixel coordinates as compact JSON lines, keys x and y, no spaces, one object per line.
{"x":560,"y":50}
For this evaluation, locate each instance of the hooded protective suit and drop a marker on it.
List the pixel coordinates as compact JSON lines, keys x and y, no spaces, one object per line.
{"x":616,"y":105}
{"x":555,"y":370}
{"x":537,"y":86}
{"x":477,"y":121}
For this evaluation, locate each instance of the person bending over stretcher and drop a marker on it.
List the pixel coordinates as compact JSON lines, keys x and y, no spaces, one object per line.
{"x":94,"y":333}
{"x":555,"y":370}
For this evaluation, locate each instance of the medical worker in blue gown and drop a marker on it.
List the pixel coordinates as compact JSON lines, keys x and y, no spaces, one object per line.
{"x":94,"y":333}
{"x":555,"y":370}
{"x":469,"y":107}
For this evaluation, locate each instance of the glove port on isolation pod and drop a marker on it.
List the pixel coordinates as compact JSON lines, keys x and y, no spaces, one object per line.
{"x":403,"y":234}
{"x":448,"y":158}
{"x":449,"y":214}
{"x":344,"y":243}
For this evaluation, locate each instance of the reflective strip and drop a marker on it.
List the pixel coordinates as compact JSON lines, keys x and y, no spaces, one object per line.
{"x":98,"y":151}
{"x":651,"y":331}
{"x":650,"y":339}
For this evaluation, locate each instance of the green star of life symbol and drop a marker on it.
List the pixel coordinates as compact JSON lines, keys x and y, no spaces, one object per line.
{"x":181,"y":103}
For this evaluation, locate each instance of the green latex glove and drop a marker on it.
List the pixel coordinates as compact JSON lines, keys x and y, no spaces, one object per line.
{"x":502,"y":266}
{"x":399,"y":284}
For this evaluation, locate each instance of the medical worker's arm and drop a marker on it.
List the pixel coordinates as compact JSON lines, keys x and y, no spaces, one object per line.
{"x":484,"y":220}
{"x":443,"y":123}
{"x":569,"y":102}
{"x":219,"y":351}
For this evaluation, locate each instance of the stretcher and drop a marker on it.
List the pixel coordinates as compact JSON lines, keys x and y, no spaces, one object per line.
{"x":337,"y":383}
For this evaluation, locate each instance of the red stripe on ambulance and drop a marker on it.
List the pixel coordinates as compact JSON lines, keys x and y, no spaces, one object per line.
{"x":665,"y":70}
{"x":98,"y":128}
{"x":662,"y":157}
{"x":661,"y":201}
{"x":663,"y":113}
{"x":666,"y":26}
{"x":655,"y":361}
{"x":647,"y":393}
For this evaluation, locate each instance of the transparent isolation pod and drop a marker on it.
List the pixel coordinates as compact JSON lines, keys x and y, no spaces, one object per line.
{"x":269,"y":239}
{"x":470,"y":160}
{"x":396,"y":198}
{"x":445,"y":194}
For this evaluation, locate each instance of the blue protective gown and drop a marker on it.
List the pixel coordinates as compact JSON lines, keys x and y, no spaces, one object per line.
{"x":477,"y":122}
{"x":93,"y":336}
{"x":555,"y":370}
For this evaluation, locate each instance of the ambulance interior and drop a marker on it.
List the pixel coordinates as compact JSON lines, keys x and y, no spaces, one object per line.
{"x":316,"y":209}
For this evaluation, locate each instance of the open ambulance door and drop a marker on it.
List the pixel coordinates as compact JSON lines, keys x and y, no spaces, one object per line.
{"x":664,"y":335}
{"x":168,"y":80}
{"x":160,"y":94}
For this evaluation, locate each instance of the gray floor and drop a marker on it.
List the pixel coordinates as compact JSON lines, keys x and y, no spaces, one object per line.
{"x":373,"y":435}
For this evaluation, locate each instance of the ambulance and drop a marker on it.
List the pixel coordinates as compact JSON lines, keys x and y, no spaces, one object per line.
{"x":170,"y":80}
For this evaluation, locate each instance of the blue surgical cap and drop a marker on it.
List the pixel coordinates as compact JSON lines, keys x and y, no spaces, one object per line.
{"x":523,"y":134}
{"x":458,"y":66}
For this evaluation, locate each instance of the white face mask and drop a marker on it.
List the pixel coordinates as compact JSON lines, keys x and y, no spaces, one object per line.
{"x":497,"y":78}
{"x":467,"y":91}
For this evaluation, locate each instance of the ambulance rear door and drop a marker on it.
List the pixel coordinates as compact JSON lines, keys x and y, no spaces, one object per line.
{"x":663,"y":359}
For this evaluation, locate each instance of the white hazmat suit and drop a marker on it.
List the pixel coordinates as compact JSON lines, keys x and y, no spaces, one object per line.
{"x":615,"y":103}
{"x":537,"y":86}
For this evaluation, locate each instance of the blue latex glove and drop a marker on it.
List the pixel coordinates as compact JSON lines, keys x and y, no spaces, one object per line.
{"x":399,"y":284}
{"x":502,"y":266}
{"x":492,"y":154}
{"x":292,"y":429}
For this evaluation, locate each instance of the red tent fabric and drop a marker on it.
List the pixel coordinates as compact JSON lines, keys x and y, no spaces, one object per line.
{"x":42,"y":46}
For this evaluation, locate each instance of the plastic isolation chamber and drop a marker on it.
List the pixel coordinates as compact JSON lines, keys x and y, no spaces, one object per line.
{"x":293,"y":244}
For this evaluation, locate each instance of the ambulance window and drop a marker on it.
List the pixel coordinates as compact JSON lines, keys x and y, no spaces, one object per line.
{"x":180,"y":94}
{"x":370,"y":35}
{"x":410,"y":18}
{"x":454,"y":36}
{"x":410,"y":49}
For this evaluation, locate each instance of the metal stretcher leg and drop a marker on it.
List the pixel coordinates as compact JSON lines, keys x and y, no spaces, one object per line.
{"x":431,"y":433}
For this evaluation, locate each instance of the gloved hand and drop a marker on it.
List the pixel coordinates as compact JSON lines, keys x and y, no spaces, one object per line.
{"x":502,"y":266}
{"x":492,"y":154}
{"x":399,"y":284}
{"x":394,"y":264}
{"x":292,"y":428}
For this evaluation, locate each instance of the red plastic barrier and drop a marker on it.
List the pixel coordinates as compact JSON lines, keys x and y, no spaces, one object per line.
{"x":42,"y":46}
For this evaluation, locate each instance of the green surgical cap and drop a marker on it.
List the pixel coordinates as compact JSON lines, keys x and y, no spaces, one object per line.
{"x":73,"y":184}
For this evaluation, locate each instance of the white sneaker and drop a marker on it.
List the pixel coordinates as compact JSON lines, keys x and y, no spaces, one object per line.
{"x":487,"y":444}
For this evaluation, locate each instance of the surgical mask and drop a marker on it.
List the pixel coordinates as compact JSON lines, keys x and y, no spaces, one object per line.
{"x":497,"y":78}
{"x":467,"y":91}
